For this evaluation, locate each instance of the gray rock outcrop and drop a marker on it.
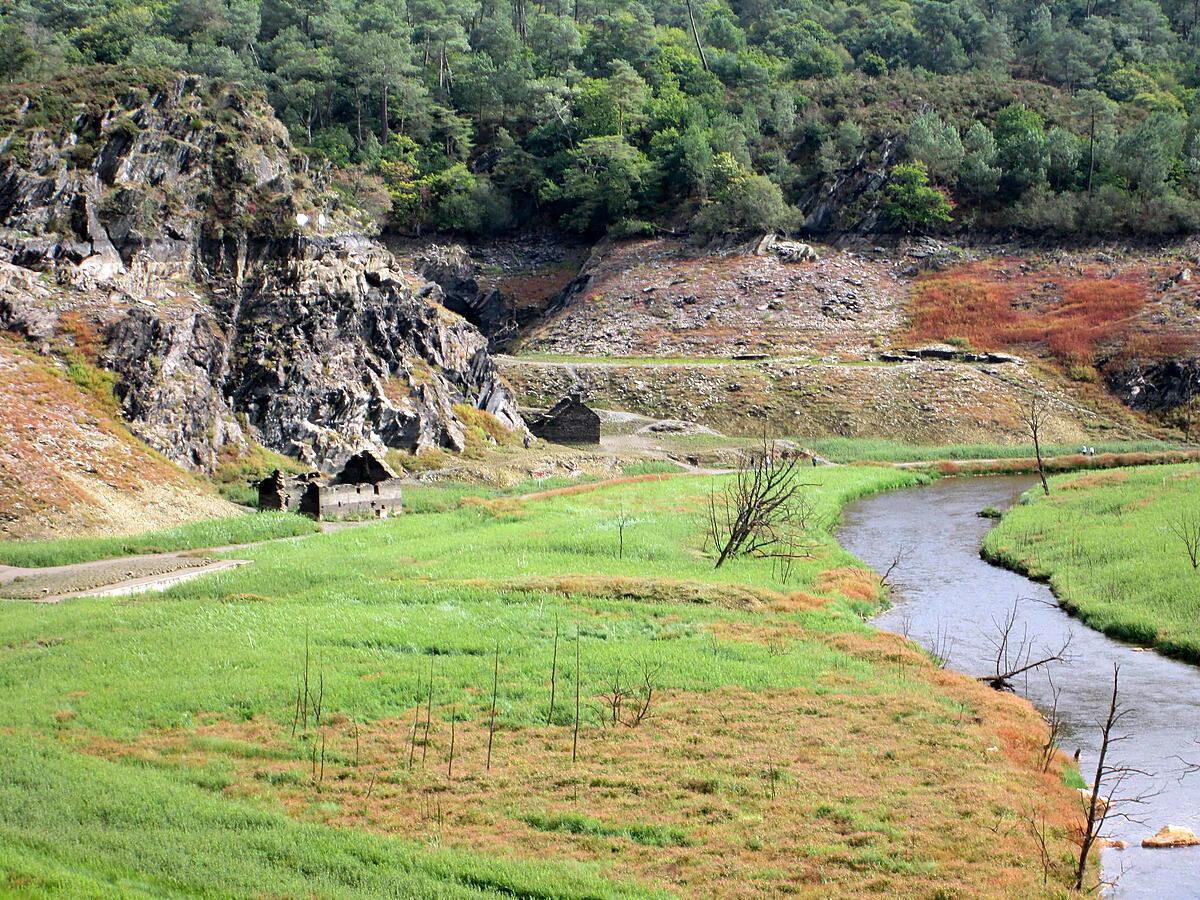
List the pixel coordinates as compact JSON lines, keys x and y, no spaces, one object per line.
{"x":235,"y":298}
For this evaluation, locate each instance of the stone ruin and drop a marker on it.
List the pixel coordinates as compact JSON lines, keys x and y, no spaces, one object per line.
{"x":365,"y":487}
{"x":569,"y":421}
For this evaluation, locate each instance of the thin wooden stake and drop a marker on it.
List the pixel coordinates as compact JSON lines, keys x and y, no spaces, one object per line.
{"x":428,"y":716}
{"x":304,"y":710}
{"x":412,"y":744}
{"x":492,"y":720}
{"x":575,"y":737}
{"x":453,"y":721}
{"x":553,"y":673}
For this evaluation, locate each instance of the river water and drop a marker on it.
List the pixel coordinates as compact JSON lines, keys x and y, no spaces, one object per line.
{"x":949,"y":599}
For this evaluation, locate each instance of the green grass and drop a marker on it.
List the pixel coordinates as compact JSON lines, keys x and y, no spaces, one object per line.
{"x":77,"y":827}
{"x":845,"y":450}
{"x":651,"y":467}
{"x":1105,"y":544}
{"x":638,"y":832}
{"x":444,"y":496}
{"x":375,"y":606}
{"x":192,"y":536}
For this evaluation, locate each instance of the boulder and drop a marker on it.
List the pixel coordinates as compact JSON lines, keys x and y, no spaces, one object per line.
{"x":1172,"y":836}
{"x":788,"y":251}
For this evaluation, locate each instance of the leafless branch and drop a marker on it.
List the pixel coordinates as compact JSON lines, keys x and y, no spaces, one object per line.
{"x":1015,"y":653}
{"x":1035,"y":417}
{"x":1111,"y":779}
{"x":762,"y":511}
{"x":1186,"y":527}
{"x":898,"y":560}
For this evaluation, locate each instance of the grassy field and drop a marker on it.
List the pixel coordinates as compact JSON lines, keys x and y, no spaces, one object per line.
{"x":768,"y":740}
{"x":443,"y":496}
{"x":846,"y":450}
{"x":851,"y":450}
{"x":1105,"y":541}
{"x":195,"y":535}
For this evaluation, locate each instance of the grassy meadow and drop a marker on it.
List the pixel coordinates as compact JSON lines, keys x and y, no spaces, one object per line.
{"x":224,"y":532}
{"x":729,"y":733}
{"x":1106,"y":542}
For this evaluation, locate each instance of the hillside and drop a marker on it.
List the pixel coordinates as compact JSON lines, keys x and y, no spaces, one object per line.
{"x":619,"y":116}
{"x":68,"y":465}
{"x":165,"y":233}
{"x":918,"y":341}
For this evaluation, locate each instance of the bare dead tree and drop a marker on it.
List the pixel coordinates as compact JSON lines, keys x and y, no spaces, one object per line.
{"x":641,"y":711}
{"x":942,"y":645}
{"x":1054,"y":726}
{"x":1112,"y":780}
{"x":898,"y":559}
{"x":1035,"y":417}
{"x":762,"y":510}
{"x":1186,"y":527}
{"x":614,"y":698}
{"x":1037,"y":829}
{"x":1016,"y":654}
{"x":696,"y":35}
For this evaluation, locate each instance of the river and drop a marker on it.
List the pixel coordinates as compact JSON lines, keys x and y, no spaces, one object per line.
{"x":942,"y":587}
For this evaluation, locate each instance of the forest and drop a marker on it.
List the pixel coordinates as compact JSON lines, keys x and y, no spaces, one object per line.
{"x":1076,"y":117}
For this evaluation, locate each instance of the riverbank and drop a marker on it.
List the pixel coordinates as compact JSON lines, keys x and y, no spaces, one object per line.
{"x":767,"y":739}
{"x":953,"y":602}
{"x":1112,"y":548}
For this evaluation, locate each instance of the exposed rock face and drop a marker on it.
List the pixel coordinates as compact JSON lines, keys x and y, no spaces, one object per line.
{"x":788,"y":251}
{"x":849,"y":203}
{"x":1158,"y":386}
{"x":235,"y":299}
{"x":451,"y":268}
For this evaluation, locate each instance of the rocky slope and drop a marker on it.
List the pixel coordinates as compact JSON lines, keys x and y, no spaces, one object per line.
{"x":184,"y":246}
{"x":854,"y":343}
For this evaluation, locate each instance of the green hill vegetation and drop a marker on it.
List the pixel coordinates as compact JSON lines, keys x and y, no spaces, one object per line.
{"x":1068,"y":117}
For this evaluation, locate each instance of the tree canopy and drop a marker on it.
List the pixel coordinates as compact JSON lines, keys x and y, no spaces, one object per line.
{"x":1072,"y":116}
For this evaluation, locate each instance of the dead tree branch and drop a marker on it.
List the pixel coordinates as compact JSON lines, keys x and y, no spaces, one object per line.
{"x":762,"y":510}
{"x":1111,"y":779}
{"x":1186,"y":527}
{"x":1015,"y":654}
{"x":1035,"y":417}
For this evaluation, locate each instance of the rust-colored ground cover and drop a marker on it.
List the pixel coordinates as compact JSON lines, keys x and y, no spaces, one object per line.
{"x":1001,"y":304}
{"x":926,"y":782}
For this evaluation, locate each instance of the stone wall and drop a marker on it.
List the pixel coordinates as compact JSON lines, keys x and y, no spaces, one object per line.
{"x":338,"y":501}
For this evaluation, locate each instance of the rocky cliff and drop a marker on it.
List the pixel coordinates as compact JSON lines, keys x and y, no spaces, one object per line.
{"x":183,"y":245}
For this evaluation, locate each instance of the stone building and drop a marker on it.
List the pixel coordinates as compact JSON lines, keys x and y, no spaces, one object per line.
{"x":282,"y":491}
{"x":569,"y":421}
{"x":365,"y":487}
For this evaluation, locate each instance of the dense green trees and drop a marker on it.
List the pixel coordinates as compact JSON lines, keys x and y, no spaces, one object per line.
{"x":713,"y":115}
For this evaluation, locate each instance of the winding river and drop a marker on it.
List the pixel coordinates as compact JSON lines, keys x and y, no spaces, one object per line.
{"x":942,"y":587}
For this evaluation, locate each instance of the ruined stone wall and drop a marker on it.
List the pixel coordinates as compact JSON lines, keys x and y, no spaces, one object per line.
{"x":338,"y":501}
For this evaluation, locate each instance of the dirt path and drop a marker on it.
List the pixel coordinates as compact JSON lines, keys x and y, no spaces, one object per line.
{"x":129,"y":574}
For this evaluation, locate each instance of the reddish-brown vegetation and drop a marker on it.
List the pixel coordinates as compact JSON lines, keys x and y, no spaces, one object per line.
{"x":776,"y":791}
{"x":1069,"y":314}
{"x":63,"y":449}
